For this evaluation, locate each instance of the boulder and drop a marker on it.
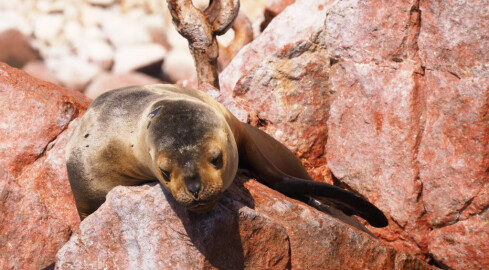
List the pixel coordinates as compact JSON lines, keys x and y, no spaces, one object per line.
{"x":283,"y":30}
{"x":267,"y":81}
{"x":133,"y":57}
{"x":123,"y":30}
{"x":398,"y":112}
{"x":408,"y":121}
{"x":16,"y":49}
{"x":36,"y":204}
{"x":252,"y":227}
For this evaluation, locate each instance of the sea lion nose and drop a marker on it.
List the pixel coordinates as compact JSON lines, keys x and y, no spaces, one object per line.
{"x":192,"y":178}
{"x":194,"y":188}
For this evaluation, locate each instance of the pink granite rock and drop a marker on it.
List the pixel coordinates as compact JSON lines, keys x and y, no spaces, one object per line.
{"x":403,"y":90}
{"x":279,"y":82}
{"x":284,"y":29}
{"x":408,"y":122}
{"x":36,"y":204}
{"x":252,"y":227}
{"x":287,"y":96}
{"x":33,"y":114}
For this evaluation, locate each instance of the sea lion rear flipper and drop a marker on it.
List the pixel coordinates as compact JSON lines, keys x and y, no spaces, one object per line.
{"x":281,"y":170}
{"x":346,"y":201}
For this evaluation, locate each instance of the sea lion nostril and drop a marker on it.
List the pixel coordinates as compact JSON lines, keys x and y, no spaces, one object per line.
{"x":194,"y":188}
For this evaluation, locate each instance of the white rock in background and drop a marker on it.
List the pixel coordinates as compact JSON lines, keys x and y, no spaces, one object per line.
{"x":47,"y":27}
{"x":11,"y":19}
{"x":72,"y":30}
{"x":153,"y":6}
{"x":72,"y":71}
{"x":175,"y":39}
{"x":49,"y":6}
{"x":123,"y":31}
{"x":101,"y":2}
{"x":96,"y":51}
{"x":93,"y":32}
{"x":72,"y":11}
{"x":90,"y":15}
{"x":132,"y":57}
{"x":57,"y":51}
{"x":179,"y":65}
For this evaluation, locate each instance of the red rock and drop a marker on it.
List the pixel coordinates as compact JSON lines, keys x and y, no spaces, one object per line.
{"x":250,"y":228}
{"x":372,"y":134}
{"x":272,"y":9}
{"x":368,"y":31}
{"x":454,"y":151}
{"x":287,"y":96}
{"x":408,"y":124}
{"x":405,"y":101}
{"x":138,"y":228}
{"x":453,"y":37}
{"x":267,"y":81}
{"x":16,"y":48}
{"x":37,"y":206}
{"x":283,"y":30}
{"x":25,"y":134}
{"x":277,"y":6}
{"x":464,"y":238}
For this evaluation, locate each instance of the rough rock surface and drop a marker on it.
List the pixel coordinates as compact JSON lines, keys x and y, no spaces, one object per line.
{"x":280,"y":83}
{"x":37,"y":209}
{"x":403,"y":119}
{"x":281,"y":31}
{"x":252,"y":227}
{"x":408,"y":124}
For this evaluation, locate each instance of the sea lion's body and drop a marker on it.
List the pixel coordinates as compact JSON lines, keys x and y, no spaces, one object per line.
{"x":192,"y":145}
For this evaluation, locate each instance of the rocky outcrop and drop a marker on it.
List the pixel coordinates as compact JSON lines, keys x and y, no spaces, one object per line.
{"x":403,"y":112}
{"x":37,"y":207}
{"x":402,"y":120}
{"x":252,"y":227}
{"x":279,"y":82}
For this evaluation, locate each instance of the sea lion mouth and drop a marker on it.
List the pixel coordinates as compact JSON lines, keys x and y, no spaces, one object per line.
{"x":202,"y":206}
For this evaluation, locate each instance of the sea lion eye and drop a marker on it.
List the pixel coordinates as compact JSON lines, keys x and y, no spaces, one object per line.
{"x":217,"y":161}
{"x":166,"y":175}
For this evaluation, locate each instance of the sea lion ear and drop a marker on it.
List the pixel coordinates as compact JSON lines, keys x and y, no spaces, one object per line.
{"x":154,"y":113}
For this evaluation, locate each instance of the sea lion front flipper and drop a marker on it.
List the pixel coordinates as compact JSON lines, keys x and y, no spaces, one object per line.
{"x":281,"y":170}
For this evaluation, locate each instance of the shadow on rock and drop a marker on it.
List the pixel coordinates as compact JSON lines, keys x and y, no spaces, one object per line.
{"x":216,"y":234}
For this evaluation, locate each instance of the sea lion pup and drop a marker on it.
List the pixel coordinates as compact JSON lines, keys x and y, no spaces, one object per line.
{"x":192,"y":145}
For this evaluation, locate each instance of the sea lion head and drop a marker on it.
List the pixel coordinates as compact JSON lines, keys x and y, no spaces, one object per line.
{"x":193,"y":151}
